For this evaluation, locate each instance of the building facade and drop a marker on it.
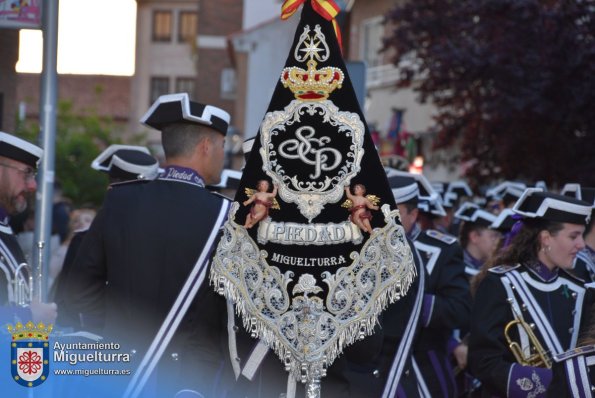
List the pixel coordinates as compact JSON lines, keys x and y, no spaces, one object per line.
{"x":181,"y":46}
{"x":9,"y":45}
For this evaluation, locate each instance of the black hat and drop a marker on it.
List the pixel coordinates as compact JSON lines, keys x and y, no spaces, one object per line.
{"x":452,"y":191}
{"x":398,"y":178}
{"x":20,"y":150}
{"x":506,"y":191}
{"x":127,"y":162}
{"x":431,"y":205}
{"x":576,"y":191}
{"x":427,"y":199}
{"x":177,"y":108}
{"x":505,"y":220}
{"x":471,"y":213}
{"x":293,"y":249}
{"x":535,"y":203}
{"x":405,"y":189}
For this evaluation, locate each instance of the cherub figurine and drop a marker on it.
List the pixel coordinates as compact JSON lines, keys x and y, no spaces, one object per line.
{"x":359,"y":206}
{"x":261,"y":201}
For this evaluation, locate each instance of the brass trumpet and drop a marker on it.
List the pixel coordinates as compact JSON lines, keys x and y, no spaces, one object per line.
{"x":537,"y":355}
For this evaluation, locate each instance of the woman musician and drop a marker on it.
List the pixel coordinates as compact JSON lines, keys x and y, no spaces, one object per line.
{"x":528,"y":307}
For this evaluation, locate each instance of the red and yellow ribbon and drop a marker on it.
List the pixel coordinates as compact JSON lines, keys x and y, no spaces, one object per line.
{"x":328,"y":9}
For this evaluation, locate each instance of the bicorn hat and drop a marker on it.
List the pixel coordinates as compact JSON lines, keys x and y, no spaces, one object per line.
{"x":20,"y":150}
{"x":178,"y":108}
{"x":471,"y":213}
{"x":127,"y":162}
{"x":586,"y":194}
{"x":424,"y":195}
{"x":535,"y":203}
{"x":452,"y":192}
{"x":506,"y":191}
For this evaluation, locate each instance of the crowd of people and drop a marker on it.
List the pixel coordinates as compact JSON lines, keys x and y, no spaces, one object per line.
{"x":428,"y":289}
{"x":507,"y":300}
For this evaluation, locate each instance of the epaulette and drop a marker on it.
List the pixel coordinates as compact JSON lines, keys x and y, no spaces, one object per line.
{"x":442,"y":237}
{"x":588,"y":349}
{"x":128,"y":182}
{"x":502,"y":269}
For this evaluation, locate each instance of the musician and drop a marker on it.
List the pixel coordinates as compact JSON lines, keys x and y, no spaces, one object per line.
{"x":144,"y":258}
{"x":479,"y":242}
{"x":477,"y":239}
{"x":120,"y":163}
{"x":446,"y":301}
{"x":530,"y":282}
{"x":18,"y":167}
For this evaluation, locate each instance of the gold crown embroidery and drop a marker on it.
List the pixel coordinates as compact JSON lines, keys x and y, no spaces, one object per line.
{"x":30,"y":331}
{"x":312,"y":84}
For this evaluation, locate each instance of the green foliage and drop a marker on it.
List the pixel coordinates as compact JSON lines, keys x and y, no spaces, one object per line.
{"x":79,"y":139}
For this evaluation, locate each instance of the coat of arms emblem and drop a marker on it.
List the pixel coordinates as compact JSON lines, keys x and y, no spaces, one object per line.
{"x":29,"y":353}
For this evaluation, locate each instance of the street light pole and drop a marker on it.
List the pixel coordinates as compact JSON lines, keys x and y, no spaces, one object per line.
{"x":45,"y":180}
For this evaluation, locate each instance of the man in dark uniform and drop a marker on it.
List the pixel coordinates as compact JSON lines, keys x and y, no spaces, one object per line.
{"x":141,"y":268}
{"x":120,"y":163}
{"x":18,"y":165}
{"x":446,"y":303}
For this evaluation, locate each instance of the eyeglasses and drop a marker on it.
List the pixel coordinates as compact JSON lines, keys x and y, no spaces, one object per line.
{"x":28,"y":173}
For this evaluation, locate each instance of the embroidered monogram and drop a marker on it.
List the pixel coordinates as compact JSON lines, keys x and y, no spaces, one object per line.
{"x":309,"y":145}
{"x":310,"y":194}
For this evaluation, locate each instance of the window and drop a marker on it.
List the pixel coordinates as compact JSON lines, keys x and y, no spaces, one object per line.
{"x":159,"y":86}
{"x":187,"y":26}
{"x":372,"y":35}
{"x":162,"y":25}
{"x":185,"y":85}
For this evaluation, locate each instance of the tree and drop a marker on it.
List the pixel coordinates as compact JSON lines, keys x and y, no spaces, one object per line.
{"x":79,"y":139}
{"x":513,"y":82}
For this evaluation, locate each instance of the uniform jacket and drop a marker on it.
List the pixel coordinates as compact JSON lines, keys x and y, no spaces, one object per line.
{"x":133,"y":262}
{"x":555,"y":302}
{"x":446,"y":306}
